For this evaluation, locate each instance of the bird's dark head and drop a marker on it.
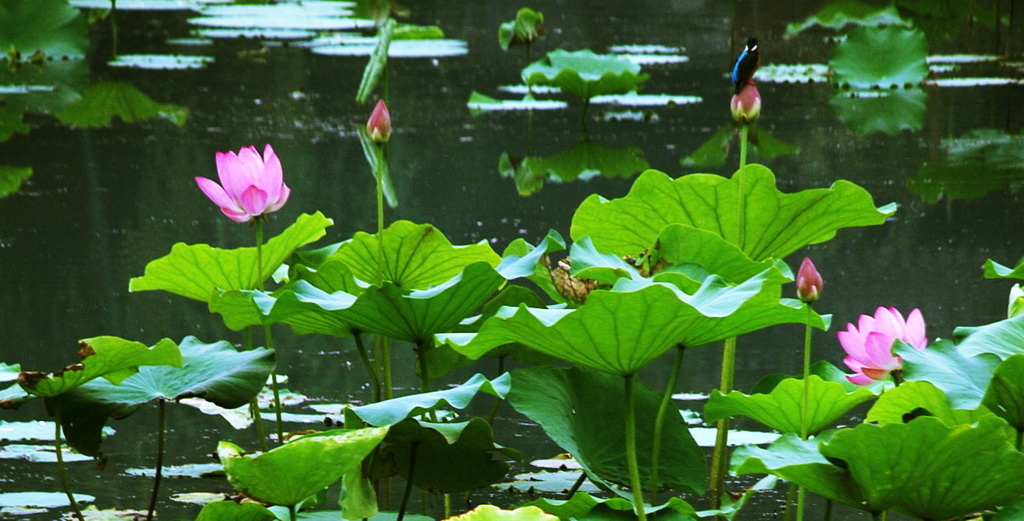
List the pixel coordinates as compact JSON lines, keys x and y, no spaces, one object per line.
{"x":751,"y":44}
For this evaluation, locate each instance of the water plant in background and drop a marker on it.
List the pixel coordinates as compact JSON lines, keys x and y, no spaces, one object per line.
{"x":527,"y":28}
{"x":585,"y":74}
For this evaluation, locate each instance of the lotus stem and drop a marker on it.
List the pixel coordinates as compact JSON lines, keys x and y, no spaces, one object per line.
{"x":497,"y":401}
{"x":744,"y":131}
{"x":62,"y":472}
{"x":790,"y":490}
{"x":634,"y":469}
{"x":408,"y":483}
{"x":374,"y":380}
{"x":1020,"y":439}
{"x":292,"y":514}
{"x":719,"y":461}
{"x":160,"y":424}
{"x":576,"y":486}
{"x":383,"y":346}
{"x":254,"y":404}
{"x":828,"y":510}
{"x":268,"y":339}
{"x":659,"y":421}
{"x":805,"y":407}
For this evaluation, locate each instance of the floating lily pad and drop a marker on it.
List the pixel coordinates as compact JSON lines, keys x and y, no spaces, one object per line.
{"x":633,"y":99}
{"x":191,"y":470}
{"x":38,"y":453}
{"x":881,"y":57}
{"x":197,"y":498}
{"x":147,"y":5}
{"x":651,"y":59}
{"x":793,"y":73}
{"x":281,"y":9}
{"x":45,"y":500}
{"x":525,"y":89}
{"x":399,"y":49}
{"x":257,"y":34}
{"x":25,"y":431}
{"x":161,"y":61}
{"x":973,"y":82}
{"x":312,"y":16}
{"x":481,"y":103}
{"x":707,"y":437}
{"x":239,"y":417}
{"x":563,"y":461}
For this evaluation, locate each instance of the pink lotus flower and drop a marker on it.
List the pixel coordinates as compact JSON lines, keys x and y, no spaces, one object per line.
{"x":869,"y":345}
{"x":808,"y":282}
{"x":746,"y":106}
{"x":250,"y":185}
{"x":379,"y":124}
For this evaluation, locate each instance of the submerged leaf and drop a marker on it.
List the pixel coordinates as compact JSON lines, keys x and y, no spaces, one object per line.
{"x":886,"y":111}
{"x":102,"y":101}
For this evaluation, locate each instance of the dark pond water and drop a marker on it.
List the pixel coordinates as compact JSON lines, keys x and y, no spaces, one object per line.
{"x":103,"y":202}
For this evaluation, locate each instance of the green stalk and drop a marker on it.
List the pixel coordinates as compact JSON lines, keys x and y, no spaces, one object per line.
{"x":408,"y":483}
{"x":62,"y":472}
{"x":719,"y":461}
{"x":497,"y":401}
{"x":1020,"y":440}
{"x":634,"y":468}
{"x":160,"y":424}
{"x":659,"y":421}
{"x":790,"y":491}
{"x":805,"y":407}
{"x":268,"y":339}
{"x":368,"y":365}
{"x":382,"y":344}
{"x":743,"y":145}
{"x":254,"y":404}
{"x":421,"y":357}
{"x":292,"y":515}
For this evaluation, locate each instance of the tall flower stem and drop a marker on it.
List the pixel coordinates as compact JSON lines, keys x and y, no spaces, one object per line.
{"x":631,"y":461}
{"x":719,"y":461}
{"x":404,"y":505}
{"x":160,"y":424}
{"x":383,"y":345}
{"x":62,"y":472}
{"x":659,"y":420}
{"x":254,"y":404}
{"x":268,"y":338}
{"x":805,"y":406}
{"x":744,"y":131}
{"x":370,"y":370}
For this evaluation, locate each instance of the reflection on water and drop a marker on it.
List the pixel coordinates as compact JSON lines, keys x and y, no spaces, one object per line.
{"x":101,"y":202}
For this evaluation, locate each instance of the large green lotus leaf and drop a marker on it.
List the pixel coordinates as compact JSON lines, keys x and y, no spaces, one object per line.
{"x":622,"y":331}
{"x":232,"y":511}
{"x":447,"y":457}
{"x":553,"y":242}
{"x":416,"y":256}
{"x":928,"y":469}
{"x":102,"y":101}
{"x":962,"y":377}
{"x":1012,"y":511}
{"x":715,"y":150}
{"x":196,"y":271}
{"x":413,"y":316}
{"x":837,"y":15}
{"x":777,"y":224}
{"x":215,"y":372}
{"x":1005,"y":393}
{"x":582,"y":411}
{"x":586,"y":160}
{"x":881,"y":57}
{"x":800,"y":462}
{"x":994,"y":270}
{"x":911,"y":399}
{"x":298,"y":469}
{"x":584,"y":507}
{"x":243,"y":308}
{"x":886,"y":111}
{"x":585,"y":73}
{"x":781,"y":409}
{"x":395,"y":410}
{"x":525,"y":29}
{"x":51,"y":25}
{"x":11,"y":178}
{"x":112,"y":358}
{"x":680,"y":245}
{"x":1004,"y":338}
{"x":493,"y":513}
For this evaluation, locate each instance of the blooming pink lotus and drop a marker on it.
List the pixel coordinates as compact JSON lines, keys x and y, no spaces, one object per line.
{"x":250,"y":185}
{"x":869,"y":345}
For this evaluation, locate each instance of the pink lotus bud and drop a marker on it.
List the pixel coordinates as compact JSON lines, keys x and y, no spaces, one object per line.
{"x":379,"y":125}
{"x":868,"y":345}
{"x":746,"y":106}
{"x":250,"y":185}
{"x":808,"y":282}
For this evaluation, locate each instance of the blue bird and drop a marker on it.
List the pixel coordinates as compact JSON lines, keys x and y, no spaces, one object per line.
{"x":745,"y":66}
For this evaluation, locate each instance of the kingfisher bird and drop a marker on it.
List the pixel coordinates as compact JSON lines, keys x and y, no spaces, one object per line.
{"x":745,"y":66}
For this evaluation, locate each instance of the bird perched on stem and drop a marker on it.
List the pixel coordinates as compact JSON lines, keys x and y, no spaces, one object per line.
{"x":745,"y":66}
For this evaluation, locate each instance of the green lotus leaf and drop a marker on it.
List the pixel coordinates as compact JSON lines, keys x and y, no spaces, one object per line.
{"x":524,"y":30}
{"x":837,"y":15}
{"x":1011,"y":512}
{"x":300,"y":468}
{"x":11,"y":178}
{"x":563,"y":402}
{"x":397,"y":409}
{"x":585,"y":73}
{"x":232,"y":511}
{"x":622,"y":331}
{"x":111,"y":358}
{"x":583,"y":507}
{"x":881,"y":57}
{"x":781,"y":409}
{"x":1005,"y":393}
{"x":1004,"y":338}
{"x":962,"y":377}
{"x":886,"y":111}
{"x":197,"y":271}
{"x":911,"y":399}
{"x":493,"y":513}
{"x":51,"y":25}
{"x":416,"y":256}
{"x":553,"y":242}
{"x":928,"y":469}
{"x":215,"y":372}
{"x":777,"y":224}
{"x":446,"y":457}
{"x":715,"y":150}
{"x":102,"y":101}
{"x":11,"y":121}
{"x":699,"y":253}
